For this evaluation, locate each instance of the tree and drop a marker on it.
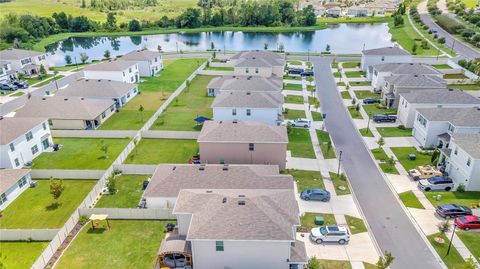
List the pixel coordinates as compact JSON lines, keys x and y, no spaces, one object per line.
{"x":385,"y":262}
{"x":159,"y":48}
{"x":281,"y":47}
{"x":111,"y":24}
{"x":68,"y":59}
{"x":141,"y":109}
{"x":327,"y":49}
{"x":56,"y":188}
{"x":83,"y":57}
{"x":84,"y":5}
{"x":106,"y":54}
{"x":104,"y":148}
{"x":381,"y":142}
{"x":414,"y":48}
{"x":43,"y":71}
{"x":265,"y":46}
{"x":397,"y":20}
{"x":310,"y":18}
{"x":134,"y":26}
{"x":212,"y":45}
{"x":112,"y":184}
{"x":441,"y":40}
{"x":444,"y":227}
{"x":190,"y":18}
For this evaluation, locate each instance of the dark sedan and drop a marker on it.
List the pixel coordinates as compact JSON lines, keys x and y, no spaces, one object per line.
{"x":453,"y":210}
{"x":371,"y":101}
{"x":21,"y":84}
{"x":384,"y":118}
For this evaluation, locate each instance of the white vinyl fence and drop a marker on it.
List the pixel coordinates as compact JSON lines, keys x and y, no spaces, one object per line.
{"x":67,"y":174}
{"x":27,"y":234}
{"x":94,"y":133}
{"x":136,"y":169}
{"x":170,"y":134}
{"x":131,"y":213}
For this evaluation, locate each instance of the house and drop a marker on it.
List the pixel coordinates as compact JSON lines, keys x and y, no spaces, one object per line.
{"x":23,"y":139}
{"x":258,"y":63}
{"x":243,"y":142}
{"x":378,"y":73}
{"x":251,"y":106}
{"x":7,"y":74}
{"x":27,"y":62}
{"x":411,"y":101}
{"x":149,"y":62}
{"x":244,"y":84}
{"x":119,"y":92}
{"x":74,"y":113}
{"x":117,"y":70}
{"x":434,"y":127}
{"x":384,"y":55}
{"x":358,"y":12}
{"x":317,"y":7}
{"x":397,"y":84}
{"x":334,"y":12}
{"x":461,"y":160}
{"x":13,"y":183}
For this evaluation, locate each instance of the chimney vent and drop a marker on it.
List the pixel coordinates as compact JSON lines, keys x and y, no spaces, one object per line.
{"x":224,"y":200}
{"x":241,"y":202}
{"x":201,"y":167}
{"x":225,"y":167}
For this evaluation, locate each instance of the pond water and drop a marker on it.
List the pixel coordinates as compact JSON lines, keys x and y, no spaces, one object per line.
{"x":342,"y":38}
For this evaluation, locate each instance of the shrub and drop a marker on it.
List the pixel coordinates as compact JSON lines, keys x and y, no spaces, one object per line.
{"x":449,"y":24}
{"x":401,"y":127}
{"x":83,"y":219}
{"x":461,"y":188}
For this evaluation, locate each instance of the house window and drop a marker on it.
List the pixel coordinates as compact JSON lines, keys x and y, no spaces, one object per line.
{"x":469,"y":161}
{"x":17,"y":162}
{"x":455,"y":151}
{"x":29,"y":136}
{"x":3,"y":198}
{"x":123,"y":73}
{"x":130,"y":70}
{"x":251,"y":147}
{"x":12,"y":147}
{"x":128,"y":95}
{"x":249,"y":112}
{"x":451,"y":128}
{"x":112,"y":108}
{"x":135,"y":90}
{"x":44,"y":125}
{"x":22,"y":182}
{"x":234,"y":112}
{"x":131,"y":79}
{"x":50,"y":122}
{"x":383,"y":58}
{"x":34,"y":149}
{"x":256,"y":70}
{"x":246,"y":70}
{"x":103,"y":115}
{"x":219,"y":246}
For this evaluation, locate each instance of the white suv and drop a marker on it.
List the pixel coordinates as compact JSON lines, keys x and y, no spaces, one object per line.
{"x":330,"y":234}
{"x":300,"y":122}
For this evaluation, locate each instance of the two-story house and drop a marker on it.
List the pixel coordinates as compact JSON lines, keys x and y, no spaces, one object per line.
{"x":243,"y":142}
{"x":244,"y":84}
{"x":258,"y":63}
{"x":27,"y":62}
{"x":461,"y":160}
{"x":7,"y":74}
{"x":253,"y":106}
{"x":13,"y":183}
{"x":377,"y":73}
{"x":434,"y":127}
{"x":397,"y":84}
{"x":23,"y":139}
{"x":149,"y":62}
{"x":118,"y":70}
{"x":411,"y":101}
{"x":393,"y":54}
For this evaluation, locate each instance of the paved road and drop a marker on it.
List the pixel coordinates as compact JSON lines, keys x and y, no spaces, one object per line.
{"x":391,"y":227}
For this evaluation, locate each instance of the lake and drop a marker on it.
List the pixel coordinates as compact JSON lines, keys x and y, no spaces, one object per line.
{"x":342,"y":38}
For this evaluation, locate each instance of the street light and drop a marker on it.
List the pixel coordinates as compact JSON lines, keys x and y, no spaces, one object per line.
{"x":368,"y":122}
{"x":339,"y":160}
{"x":451,"y":239}
{"x":55,"y":79}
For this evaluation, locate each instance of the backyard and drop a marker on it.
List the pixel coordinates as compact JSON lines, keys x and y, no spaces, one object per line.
{"x":299,"y":143}
{"x":36,"y":207}
{"x":394,"y":131}
{"x":307,"y":179}
{"x":326,"y":145}
{"x":129,"y":190}
{"x":468,"y":198}
{"x":402,"y":155}
{"x":155,"y":151}
{"x":87,"y":151}
{"x":11,"y":251}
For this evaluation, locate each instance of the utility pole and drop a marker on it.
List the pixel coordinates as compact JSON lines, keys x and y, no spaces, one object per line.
{"x":450,"y":244}
{"x":308,"y":55}
{"x":368,"y":122}
{"x":339,"y":160}
{"x":453,"y":45}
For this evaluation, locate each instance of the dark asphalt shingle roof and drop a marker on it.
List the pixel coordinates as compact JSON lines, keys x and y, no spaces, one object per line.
{"x":242,"y":132}
{"x":440,"y":96}
{"x":386,"y":51}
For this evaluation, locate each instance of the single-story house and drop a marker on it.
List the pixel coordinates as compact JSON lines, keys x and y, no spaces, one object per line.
{"x":13,"y":183}
{"x":118,"y":70}
{"x":149,"y":62}
{"x":258,"y":63}
{"x":23,"y":61}
{"x":334,"y":11}
{"x":393,"y":54}
{"x":358,"y":12}
{"x":378,"y":73}
{"x":244,"y":84}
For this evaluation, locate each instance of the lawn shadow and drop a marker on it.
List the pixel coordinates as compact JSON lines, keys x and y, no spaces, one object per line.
{"x":53,"y":206}
{"x":99,"y":230}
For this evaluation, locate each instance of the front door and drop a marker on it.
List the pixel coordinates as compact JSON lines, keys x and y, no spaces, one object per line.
{"x":45,"y":143}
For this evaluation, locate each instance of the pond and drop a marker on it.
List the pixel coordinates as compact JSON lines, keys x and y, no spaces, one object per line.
{"x":342,"y":38}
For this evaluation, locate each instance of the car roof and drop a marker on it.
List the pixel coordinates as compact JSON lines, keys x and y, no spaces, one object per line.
{"x":302,"y":119}
{"x":438,"y":178}
{"x":336,"y":229}
{"x":449,"y":206}
{"x":471,"y":218}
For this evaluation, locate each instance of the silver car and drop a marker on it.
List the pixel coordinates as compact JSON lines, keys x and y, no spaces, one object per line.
{"x":330,"y":234}
{"x":437,"y":183}
{"x":301,"y":122}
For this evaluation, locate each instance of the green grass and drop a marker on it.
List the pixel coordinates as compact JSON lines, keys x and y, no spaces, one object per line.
{"x":406,"y":36}
{"x":81,"y":153}
{"x":294,"y":62}
{"x":300,"y":144}
{"x":354,"y":74}
{"x":17,"y":94}
{"x":57,"y":77}
{"x":468,"y":198}
{"x":388,"y":168}
{"x":191,"y":103}
{"x":127,"y":242}
{"x":365,"y":132}
{"x":366,"y":94}
{"x":71,"y":67}
{"x":455,"y":76}
{"x":127,"y":120}
{"x":379,"y":154}
{"x":354,"y":113}
{"x":292,"y":77}
{"x":292,"y":114}
{"x":317,"y":116}
{"x":37,"y":79}
{"x":359,"y":83}
{"x":307,"y":179}
{"x":374,"y":110}
{"x":402,"y":155}
{"x":335,"y":65}
{"x":466,"y":87}
{"x":442,"y":66}
{"x":293,"y":87}
{"x":326,"y":145}
{"x":337,"y":74}
{"x":368,"y":19}
{"x":341,"y":83}
{"x":129,"y":191}
{"x":410,"y":200}
{"x":36,"y":208}
{"x":307,"y":220}
{"x":294,"y":99}
{"x":369,"y":265}
{"x":471,"y":4}
{"x":338,"y":181}
{"x":453,"y":260}
{"x":219,"y":68}
{"x":432,"y":51}
{"x":330,"y":264}
{"x":394,"y":132}
{"x":356,"y":225}
{"x":472,"y":241}
{"x":311,"y":88}
{"x":350,"y":64}
{"x":20,"y":255}
{"x":345,"y":95}
{"x":155,"y":151}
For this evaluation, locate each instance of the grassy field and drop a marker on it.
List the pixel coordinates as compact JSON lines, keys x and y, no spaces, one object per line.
{"x":127,"y":242}
{"x":354,"y":113}
{"x":402,"y":156}
{"x":128,"y":119}
{"x":36,"y":208}
{"x":17,"y":94}
{"x":388,"y":168}
{"x":466,"y":87}
{"x":410,"y":200}
{"x":352,"y":19}
{"x":317,"y":116}
{"x":294,"y":99}
{"x":374,"y":110}
{"x":292,"y":114}
{"x":299,"y":143}
{"x":219,"y":68}
{"x":366,"y":94}
{"x":293,"y":87}
{"x":326,"y":145}
{"x":87,"y":152}
{"x":468,"y":198}
{"x":472,"y":241}
{"x":471,"y":4}
{"x":338,"y":181}
{"x":307,"y":179}
{"x":191,"y":103}
{"x":379,"y":154}
{"x":155,"y":151}
{"x":394,"y":132}
{"x":359,"y":83}
{"x":28,"y":251}
{"x":350,"y":64}
{"x":453,"y":260}
{"x":354,"y":74}
{"x":345,"y":95}
{"x":442,"y":66}
{"x":366,"y":132}
{"x":406,"y":36}
{"x":307,"y":220}
{"x":356,"y":225}
{"x":128,"y":195}
{"x":38,"y":79}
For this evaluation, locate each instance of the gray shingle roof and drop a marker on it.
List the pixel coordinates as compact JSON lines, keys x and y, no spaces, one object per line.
{"x":416,"y":81}
{"x":247,"y":83}
{"x":469,"y":143}
{"x":168,"y":180}
{"x":10,"y":177}
{"x":18,"y":54}
{"x":298,"y":252}
{"x":113,"y":65}
{"x":11,"y":128}
{"x":217,"y":214}
{"x":242,"y":132}
{"x":97,"y":88}
{"x":248,"y":99}
{"x":467,"y":117}
{"x":141,"y":55}
{"x":386,"y":51}
{"x":60,"y":107}
{"x":258,"y":58}
{"x":407,"y":69}
{"x":440,"y":96}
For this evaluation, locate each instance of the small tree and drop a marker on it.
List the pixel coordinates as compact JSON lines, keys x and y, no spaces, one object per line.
{"x":381,"y":142}
{"x":441,"y":40}
{"x":43,"y":71}
{"x":68,"y":59}
{"x":265,"y":46}
{"x":313,"y":263}
{"x":141,"y":109}
{"x":414,"y":48}
{"x":444,"y":227}
{"x":385,"y":262}
{"x":104,"y":148}
{"x":397,"y":20}
{"x":354,"y":101}
{"x":159,"y":48}
{"x":112,"y":184}
{"x":214,"y":55}
{"x":327,"y":49}
{"x":212,"y":45}
{"x":106,"y":54}
{"x":83,"y":57}
{"x":281,"y":47}
{"x":56,"y":188}
{"x":469,"y":263}
{"x":357,"y":107}
{"x":329,"y":146}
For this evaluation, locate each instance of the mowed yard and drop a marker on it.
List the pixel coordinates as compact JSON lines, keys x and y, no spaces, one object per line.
{"x":155,"y":151}
{"x":29,"y":251}
{"x":129,"y":191}
{"x":191,"y":103}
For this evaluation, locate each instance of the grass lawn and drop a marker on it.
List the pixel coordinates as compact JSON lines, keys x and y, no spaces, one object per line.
{"x":294,"y":62}
{"x":191,"y":103}
{"x":354,"y":74}
{"x":366,"y":94}
{"x":49,"y":81}
{"x":307,"y":179}
{"x":37,"y":79}
{"x":294,"y":99}
{"x":454,"y":76}
{"x":410,"y":200}
{"x":356,"y":225}
{"x":468,"y":198}
{"x":127,"y":242}
{"x":334,"y":64}
{"x":36,"y":208}
{"x":292,"y":114}
{"x":81,"y":153}
{"x":442,"y":66}
{"x":293,"y":87}
{"x":71,"y":67}
{"x":337,"y":74}
{"x":341,"y":83}
{"x":471,"y":4}
{"x":219,"y":68}
{"x":406,"y":36}
{"x":472,"y":241}
{"x":338,"y":181}
{"x":326,"y":145}
{"x":369,"y":265}
{"x":350,"y":64}
{"x":466,"y":87}
{"x":311,"y":88}
{"x":389,"y":169}
{"x":402,"y":156}
{"x":127,"y":120}
{"x":354,"y":113}
{"x":307,"y":220}
{"x":128,"y":195}
{"x":300,"y":144}
{"x":379,"y":154}
{"x":17,"y":94}
{"x":453,"y":260}
{"x":345,"y":95}
{"x":359,"y":83}
{"x":330,"y":264}
{"x":373,"y":109}
{"x":292,"y":77}
{"x":394,"y":132}
{"x":365,"y":132}
{"x":28,"y":251}
{"x":317,"y":116}
{"x":155,"y":151}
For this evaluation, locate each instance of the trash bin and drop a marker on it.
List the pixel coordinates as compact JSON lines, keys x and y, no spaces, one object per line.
{"x":412,"y":157}
{"x":319,"y":220}
{"x":438,"y":197}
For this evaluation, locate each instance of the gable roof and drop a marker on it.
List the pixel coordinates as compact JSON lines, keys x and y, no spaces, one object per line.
{"x":11,"y":128}
{"x":470,"y":143}
{"x":258,"y":58}
{"x":248,"y":99}
{"x":18,"y":54}
{"x":168,"y":180}
{"x":387,"y":51}
{"x":467,"y":117}
{"x":416,"y":81}
{"x":112,"y":65}
{"x":247,"y":83}
{"x":100,"y":88}
{"x":440,"y":96}
{"x":242,"y":132}
{"x":265,"y":214}
{"x":141,"y":55}
{"x":10,"y":177}
{"x":66,"y":108}
{"x":407,"y":68}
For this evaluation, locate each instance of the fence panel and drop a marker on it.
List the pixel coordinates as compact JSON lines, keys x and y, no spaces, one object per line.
{"x":94,"y":133}
{"x":170,"y":134}
{"x":27,"y":234}
{"x":130,"y":213}
{"x":67,"y":174}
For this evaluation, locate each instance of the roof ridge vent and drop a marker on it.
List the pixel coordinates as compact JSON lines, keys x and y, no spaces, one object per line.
{"x":224,"y":200}
{"x":225,"y":167}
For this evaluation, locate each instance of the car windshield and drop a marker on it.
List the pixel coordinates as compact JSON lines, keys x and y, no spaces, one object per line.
{"x":463,"y":219}
{"x":323,"y":230}
{"x":434,"y":180}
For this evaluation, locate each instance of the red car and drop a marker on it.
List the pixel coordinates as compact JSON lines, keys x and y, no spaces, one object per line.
{"x":468,"y":222}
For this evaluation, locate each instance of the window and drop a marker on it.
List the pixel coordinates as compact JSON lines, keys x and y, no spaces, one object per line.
{"x":256,"y":70}
{"x":130,"y":70}
{"x":383,"y":58}
{"x":246,"y":70}
{"x":44,"y":125}
{"x":251,"y":147}
{"x":455,"y":151}
{"x":234,"y":111}
{"x":249,"y":112}
{"x":131,"y":79}
{"x":3,"y":198}
{"x":219,"y":246}
{"x":29,"y":136}
{"x":123,"y":73}
{"x":17,"y":162}
{"x":12,"y":147}
{"x":128,"y":95}
{"x":34,"y":149}
{"x":469,"y":161}
{"x":22,"y":182}
{"x":451,"y":128}
{"x":50,"y":122}
{"x":103,"y":115}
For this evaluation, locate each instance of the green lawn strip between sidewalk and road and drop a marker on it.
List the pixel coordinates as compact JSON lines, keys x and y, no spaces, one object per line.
{"x":317,"y":116}
{"x":354,"y":113}
{"x":410,"y":200}
{"x":453,"y":260}
{"x":300,"y":144}
{"x":379,"y":154}
{"x":306,"y":179}
{"x":326,"y":144}
{"x":338,"y":181}
{"x":366,"y":132}
{"x":356,"y":225}
{"x":388,"y":168}
{"x":345,"y":95}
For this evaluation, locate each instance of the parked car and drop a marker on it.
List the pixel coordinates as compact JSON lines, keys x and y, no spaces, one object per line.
{"x":330,"y":234}
{"x":467,"y":222}
{"x":371,"y":101}
{"x":301,"y":122}
{"x":295,"y":71}
{"x":437,"y":183}
{"x":8,"y":87}
{"x":384,"y":118}
{"x":424,"y":172}
{"x":21,"y":84}
{"x":306,"y":74}
{"x":452,"y":210}
{"x":315,"y":194}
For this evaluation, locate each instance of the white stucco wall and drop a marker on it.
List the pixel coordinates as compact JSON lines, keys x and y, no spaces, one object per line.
{"x":266,"y":115}
{"x":368,"y":60}
{"x":183,"y":223}
{"x":161,"y":202}
{"x":14,"y":191}
{"x":460,"y":172}
{"x":123,"y":76}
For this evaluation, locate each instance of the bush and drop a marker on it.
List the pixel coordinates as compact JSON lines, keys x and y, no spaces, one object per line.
{"x":401,"y":127}
{"x":449,"y":24}
{"x":461,"y":188}
{"x":83,"y":219}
